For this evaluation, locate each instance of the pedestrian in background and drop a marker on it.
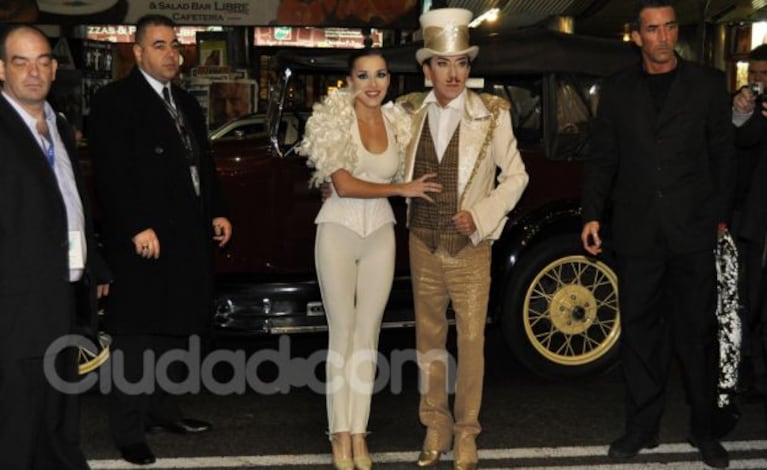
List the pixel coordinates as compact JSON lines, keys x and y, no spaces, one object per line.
{"x":749,"y":223}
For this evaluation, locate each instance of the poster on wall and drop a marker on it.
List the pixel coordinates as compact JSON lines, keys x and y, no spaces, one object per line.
{"x":200,"y":89}
{"x":230,"y":99}
{"x":349,"y":13}
{"x":212,"y":49}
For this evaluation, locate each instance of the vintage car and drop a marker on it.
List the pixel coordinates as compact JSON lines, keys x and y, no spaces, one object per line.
{"x":556,"y":306}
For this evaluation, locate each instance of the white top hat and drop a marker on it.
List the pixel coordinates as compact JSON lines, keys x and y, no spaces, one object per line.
{"x":445,"y":33}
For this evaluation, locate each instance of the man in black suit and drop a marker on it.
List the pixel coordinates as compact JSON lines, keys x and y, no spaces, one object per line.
{"x":48,"y":259}
{"x":663,"y":155}
{"x":162,"y":205}
{"x":749,"y":223}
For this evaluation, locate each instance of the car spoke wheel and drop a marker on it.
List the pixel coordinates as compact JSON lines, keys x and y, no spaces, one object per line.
{"x":560,"y":314}
{"x":570,"y":310}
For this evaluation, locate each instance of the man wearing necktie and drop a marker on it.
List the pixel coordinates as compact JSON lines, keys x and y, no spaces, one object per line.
{"x":162,"y":209}
{"x":48,"y":260}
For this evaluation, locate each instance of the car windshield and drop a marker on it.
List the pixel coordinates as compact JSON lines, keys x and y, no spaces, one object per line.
{"x":543,"y":66}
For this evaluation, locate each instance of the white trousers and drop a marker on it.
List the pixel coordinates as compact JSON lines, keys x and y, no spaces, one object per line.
{"x":355,"y":276}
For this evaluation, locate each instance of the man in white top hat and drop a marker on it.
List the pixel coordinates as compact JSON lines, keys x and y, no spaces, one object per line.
{"x":463,"y":137}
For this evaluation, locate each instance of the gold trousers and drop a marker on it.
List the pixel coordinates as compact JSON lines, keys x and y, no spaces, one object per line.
{"x":464,"y":280}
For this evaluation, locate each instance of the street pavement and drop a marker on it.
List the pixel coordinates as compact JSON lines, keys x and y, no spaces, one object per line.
{"x":528,"y":422}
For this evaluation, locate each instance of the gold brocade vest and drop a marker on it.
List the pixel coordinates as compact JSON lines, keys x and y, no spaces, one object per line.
{"x":432,"y":223}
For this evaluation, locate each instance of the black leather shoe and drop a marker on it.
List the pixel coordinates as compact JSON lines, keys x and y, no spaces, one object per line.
{"x":137,"y":453}
{"x":712,"y":452}
{"x":182,"y":426}
{"x":629,"y":444}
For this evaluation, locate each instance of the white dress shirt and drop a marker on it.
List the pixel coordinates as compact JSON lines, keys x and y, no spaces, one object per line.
{"x":443,"y":121}
{"x":738,"y":118}
{"x":62,"y":168}
{"x":157,"y":86}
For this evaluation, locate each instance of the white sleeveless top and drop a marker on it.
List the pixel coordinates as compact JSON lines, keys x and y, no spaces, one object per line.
{"x":364,"y":216}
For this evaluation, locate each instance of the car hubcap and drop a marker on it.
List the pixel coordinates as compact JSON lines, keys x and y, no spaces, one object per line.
{"x":571,"y":311}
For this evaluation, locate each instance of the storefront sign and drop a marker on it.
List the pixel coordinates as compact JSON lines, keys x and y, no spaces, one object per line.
{"x":124,"y":33}
{"x":402,"y":14}
{"x":219,"y":12}
{"x":314,"y":37}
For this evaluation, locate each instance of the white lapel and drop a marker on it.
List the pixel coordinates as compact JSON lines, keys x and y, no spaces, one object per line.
{"x":475,"y":124}
{"x":419,"y":119}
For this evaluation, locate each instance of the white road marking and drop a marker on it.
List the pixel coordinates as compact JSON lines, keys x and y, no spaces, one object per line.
{"x":485,"y":455}
{"x":753,"y":464}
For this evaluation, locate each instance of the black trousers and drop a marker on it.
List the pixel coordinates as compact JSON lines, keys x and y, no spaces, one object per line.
{"x":39,"y":426}
{"x":132,"y":411}
{"x":668,"y":297}
{"x":750,"y":292}
{"x":759,"y":350}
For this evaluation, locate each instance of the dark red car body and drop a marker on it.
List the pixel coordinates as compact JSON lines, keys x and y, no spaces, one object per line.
{"x":266,"y":282}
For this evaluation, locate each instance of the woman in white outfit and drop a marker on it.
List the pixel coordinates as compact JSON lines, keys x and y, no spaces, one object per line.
{"x":357,"y":145}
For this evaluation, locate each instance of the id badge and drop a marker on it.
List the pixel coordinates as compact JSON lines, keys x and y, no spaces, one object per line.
{"x":76,"y":243}
{"x":195,"y":179}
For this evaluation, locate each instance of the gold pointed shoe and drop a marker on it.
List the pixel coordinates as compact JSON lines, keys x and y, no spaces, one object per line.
{"x":342,"y":451}
{"x":363,"y":462}
{"x":428,"y":458}
{"x":343,"y":463}
{"x":466,"y":466}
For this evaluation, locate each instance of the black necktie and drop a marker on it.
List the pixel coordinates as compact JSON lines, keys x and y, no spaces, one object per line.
{"x":166,"y":95}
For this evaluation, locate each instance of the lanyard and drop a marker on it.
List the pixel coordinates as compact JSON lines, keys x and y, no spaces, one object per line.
{"x":178,"y":120}
{"x":49,"y":150}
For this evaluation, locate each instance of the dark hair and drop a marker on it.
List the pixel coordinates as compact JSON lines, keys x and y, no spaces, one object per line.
{"x":758,"y":53}
{"x":640,"y":5}
{"x":5,"y":34}
{"x":366,"y":52}
{"x":151,"y":20}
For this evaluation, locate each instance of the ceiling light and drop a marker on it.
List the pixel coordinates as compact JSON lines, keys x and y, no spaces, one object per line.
{"x":490,"y":16}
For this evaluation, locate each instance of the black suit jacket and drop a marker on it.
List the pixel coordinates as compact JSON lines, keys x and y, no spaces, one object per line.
{"x":36,"y":303}
{"x":752,"y":139}
{"x":143,"y":181}
{"x":668,"y":175}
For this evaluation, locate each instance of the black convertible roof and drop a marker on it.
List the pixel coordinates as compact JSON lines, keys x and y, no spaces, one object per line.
{"x":525,"y":51}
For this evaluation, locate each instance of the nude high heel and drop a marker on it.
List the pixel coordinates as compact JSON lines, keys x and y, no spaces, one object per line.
{"x":342,"y":451}
{"x":362,"y":460}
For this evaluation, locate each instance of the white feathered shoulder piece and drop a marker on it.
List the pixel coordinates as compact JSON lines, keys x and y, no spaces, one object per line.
{"x":327,"y":140}
{"x":328,"y":143}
